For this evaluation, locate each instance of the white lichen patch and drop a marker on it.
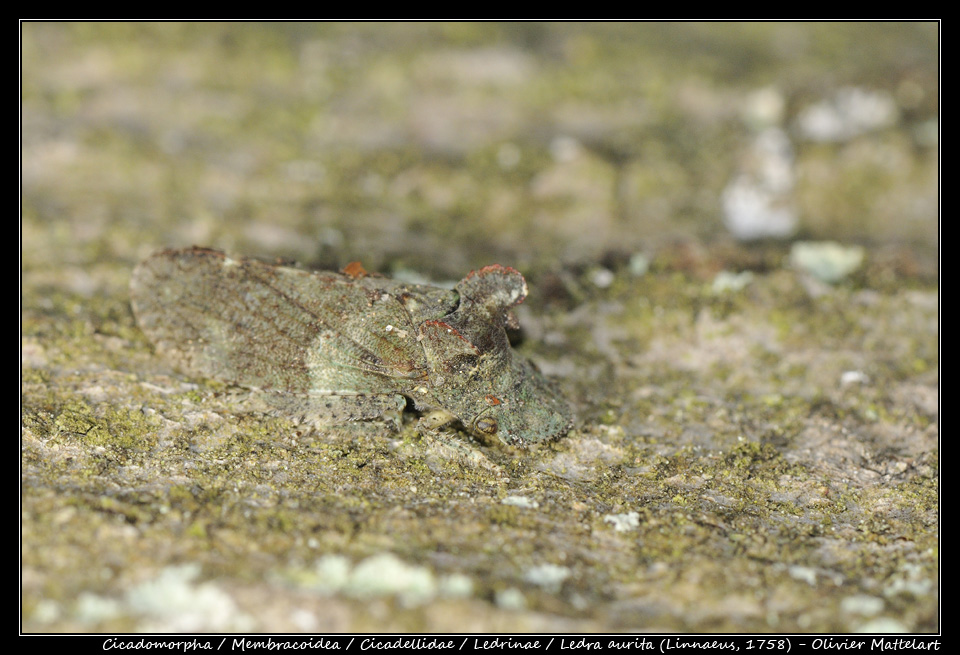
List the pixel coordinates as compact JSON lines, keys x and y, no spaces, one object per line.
{"x":381,"y":576}
{"x":456,"y":586}
{"x":827,"y":261}
{"x":851,"y":112}
{"x":853,"y":377}
{"x":385,"y":575}
{"x":727,"y":282}
{"x":861,"y":604}
{"x":510,"y":599}
{"x":91,"y":608}
{"x":46,"y":611}
{"x":332,"y":573}
{"x":623,"y":522}
{"x":883,"y":625}
{"x":520,"y":501}
{"x":803,"y":574}
{"x":584,"y":458}
{"x":170,"y":602}
{"x":909,"y":580}
{"x":547,"y":576}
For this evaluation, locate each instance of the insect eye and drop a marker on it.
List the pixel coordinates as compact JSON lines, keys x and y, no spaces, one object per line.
{"x":487,"y":425}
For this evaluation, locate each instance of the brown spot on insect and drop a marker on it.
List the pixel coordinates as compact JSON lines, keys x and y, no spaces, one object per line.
{"x":355,"y":270}
{"x":357,"y":341}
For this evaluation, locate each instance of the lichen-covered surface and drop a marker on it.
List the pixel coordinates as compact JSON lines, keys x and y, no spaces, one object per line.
{"x":756,"y":446}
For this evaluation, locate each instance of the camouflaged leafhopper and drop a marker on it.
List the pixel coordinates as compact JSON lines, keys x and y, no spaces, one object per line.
{"x":331,"y":337}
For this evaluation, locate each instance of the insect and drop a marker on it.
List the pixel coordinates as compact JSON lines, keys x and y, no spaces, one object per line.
{"x":352,"y":345}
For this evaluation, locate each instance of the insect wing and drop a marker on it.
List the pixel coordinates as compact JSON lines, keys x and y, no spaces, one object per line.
{"x":275,"y":327}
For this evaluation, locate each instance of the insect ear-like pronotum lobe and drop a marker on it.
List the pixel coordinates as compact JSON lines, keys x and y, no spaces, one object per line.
{"x":444,"y":345}
{"x":496,"y":288}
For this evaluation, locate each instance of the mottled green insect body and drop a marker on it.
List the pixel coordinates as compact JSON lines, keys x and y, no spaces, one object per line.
{"x":351,"y":336}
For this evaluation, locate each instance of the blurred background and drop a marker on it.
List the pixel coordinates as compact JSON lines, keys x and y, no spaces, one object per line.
{"x":440,"y":147}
